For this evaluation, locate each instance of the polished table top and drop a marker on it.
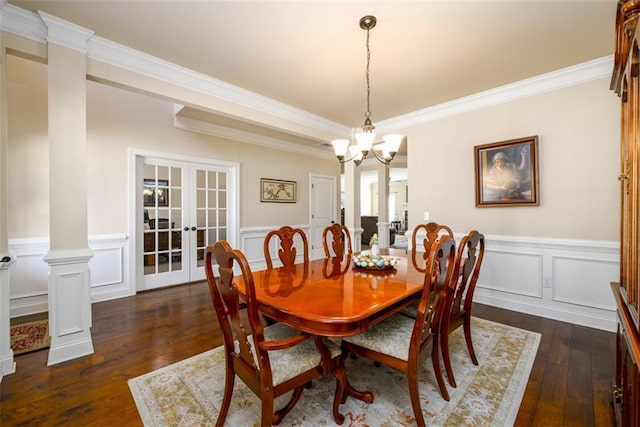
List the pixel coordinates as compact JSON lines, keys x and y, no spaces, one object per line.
{"x":332,"y":298}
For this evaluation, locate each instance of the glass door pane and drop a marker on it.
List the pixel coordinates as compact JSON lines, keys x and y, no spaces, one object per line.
{"x":211,"y":213}
{"x":164,"y":256}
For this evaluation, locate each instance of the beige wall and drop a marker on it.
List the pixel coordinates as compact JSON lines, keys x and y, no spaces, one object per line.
{"x":116,"y":121}
{"x":578,"y":129}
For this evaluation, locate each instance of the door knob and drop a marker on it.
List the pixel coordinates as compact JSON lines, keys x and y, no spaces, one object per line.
{"x":186,"y":229}
{"x":193,"y":229}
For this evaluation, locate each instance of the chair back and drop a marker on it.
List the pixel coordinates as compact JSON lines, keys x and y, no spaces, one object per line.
{"x":438,"y":275}
{"x":287,"y":252}
{"x":336,"y":237}
{"x":227,"y":305}
{"x":433,"y":230}
{"x":469,"y":261}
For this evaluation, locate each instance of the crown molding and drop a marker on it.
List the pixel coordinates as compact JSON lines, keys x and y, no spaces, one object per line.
{"x":27,"y":24}
{"x":115,"y":54}
{"x":65,"y":33}
{"x":207,"y":128}
{"x":22,"y":23}
{"x":565,"y":77}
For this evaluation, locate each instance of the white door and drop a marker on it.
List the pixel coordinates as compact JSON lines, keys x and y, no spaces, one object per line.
{"x":165,"y":204}
{"x":323,"y":210}
{"x":187,"y":206}
{"x":209,"y":212}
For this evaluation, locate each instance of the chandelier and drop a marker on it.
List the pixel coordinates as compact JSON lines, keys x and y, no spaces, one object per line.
{"x":383,"y":152}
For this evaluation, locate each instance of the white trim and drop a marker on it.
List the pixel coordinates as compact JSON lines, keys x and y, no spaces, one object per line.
{"x":135,"y":158}
{"x":23,"y":23}
{"x":68,"y":256}
{"x":208,"y":128}
{"x":565,"y":77}
{"x":27,"y":24}
{"x":66,"y":34}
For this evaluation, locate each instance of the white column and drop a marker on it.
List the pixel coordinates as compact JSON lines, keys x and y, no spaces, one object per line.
{"x":352,"y":204}
{"x":69,"y":253}
{"x":383,"y":206}
{"x":7,"y":365}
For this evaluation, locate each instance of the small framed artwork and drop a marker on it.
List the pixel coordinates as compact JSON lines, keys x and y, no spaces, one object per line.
{"x":277,"y":190}
{"x":153,"y":190}
{"x":507,"y":173}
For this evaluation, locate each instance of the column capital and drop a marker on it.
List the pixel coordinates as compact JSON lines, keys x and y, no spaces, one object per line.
{"x":65,"y":33}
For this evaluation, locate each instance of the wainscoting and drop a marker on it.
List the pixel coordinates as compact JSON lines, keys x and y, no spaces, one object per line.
{"x":28,"y":276}
{"x":565,"y":280}
{"x":561,"y":279}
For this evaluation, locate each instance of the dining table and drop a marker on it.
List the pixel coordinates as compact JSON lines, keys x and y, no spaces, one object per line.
{"x":333,"y":297}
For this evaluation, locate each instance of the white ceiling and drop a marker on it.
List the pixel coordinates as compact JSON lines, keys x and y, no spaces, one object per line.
{"x":311,"y":54}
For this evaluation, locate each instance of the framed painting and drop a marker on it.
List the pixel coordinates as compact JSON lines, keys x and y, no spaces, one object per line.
{"x":507,"y":173}
{"x":153,"y":190}
{"x":277,"y":190}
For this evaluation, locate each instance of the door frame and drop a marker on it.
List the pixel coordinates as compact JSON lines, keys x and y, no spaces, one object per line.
{"x":136,"y":213}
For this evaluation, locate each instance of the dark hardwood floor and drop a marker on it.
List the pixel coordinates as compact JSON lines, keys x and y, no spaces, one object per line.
{"x":569,"y":384}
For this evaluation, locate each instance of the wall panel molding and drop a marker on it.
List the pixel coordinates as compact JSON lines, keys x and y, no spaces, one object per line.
{"x":562,"y":279}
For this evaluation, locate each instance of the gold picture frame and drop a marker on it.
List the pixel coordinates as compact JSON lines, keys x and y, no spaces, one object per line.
{"x":507,"y":173}
{"x":277,"y":190}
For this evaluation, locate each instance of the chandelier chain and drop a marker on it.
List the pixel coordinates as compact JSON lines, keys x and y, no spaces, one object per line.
{"x":364,"y":146}
{"x":367,"y":114}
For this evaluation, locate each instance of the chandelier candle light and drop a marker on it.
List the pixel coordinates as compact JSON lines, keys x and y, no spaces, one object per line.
{"x":365,"y":137}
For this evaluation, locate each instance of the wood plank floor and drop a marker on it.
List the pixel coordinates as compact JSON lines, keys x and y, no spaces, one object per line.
{"x":569,"y":385}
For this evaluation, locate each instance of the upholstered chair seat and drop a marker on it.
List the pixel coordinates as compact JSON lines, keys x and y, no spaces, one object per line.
{"x":291,"y":362}
{"x":391,"y":337}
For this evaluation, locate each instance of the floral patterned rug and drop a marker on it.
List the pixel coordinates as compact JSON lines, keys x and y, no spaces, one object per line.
{"x":30,"y":336}
{"x":190,"y":392}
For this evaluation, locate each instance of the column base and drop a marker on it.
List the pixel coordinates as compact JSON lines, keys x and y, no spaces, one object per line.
{"x":69,"y":304}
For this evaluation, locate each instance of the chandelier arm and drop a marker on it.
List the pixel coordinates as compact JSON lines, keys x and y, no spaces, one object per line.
{"x":381,"y":159}
{"x":357,"y":162}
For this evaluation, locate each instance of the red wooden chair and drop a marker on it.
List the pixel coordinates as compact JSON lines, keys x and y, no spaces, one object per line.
{"x":433,"y":230}
{"x":340,"y":238}
{"x":402,"y":342}
{"x":271,"y":361}
{"x":287,"y":252}
{"x":460,"y":297}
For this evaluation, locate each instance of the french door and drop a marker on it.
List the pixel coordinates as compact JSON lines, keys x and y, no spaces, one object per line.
{"x":186,"y":206}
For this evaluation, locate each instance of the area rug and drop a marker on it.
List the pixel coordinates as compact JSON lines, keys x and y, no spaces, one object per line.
{"x":30,"y":336}
{"x":190,"y":392}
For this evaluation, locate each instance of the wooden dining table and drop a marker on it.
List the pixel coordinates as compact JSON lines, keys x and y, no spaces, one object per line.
{"x":331,"y":297}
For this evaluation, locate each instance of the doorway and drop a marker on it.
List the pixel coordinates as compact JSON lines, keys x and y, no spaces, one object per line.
{"x":322,"y":205}
{"x":183,"y":206}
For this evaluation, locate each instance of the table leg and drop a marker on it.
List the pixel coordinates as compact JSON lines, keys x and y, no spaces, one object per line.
{"x":344,"y":389}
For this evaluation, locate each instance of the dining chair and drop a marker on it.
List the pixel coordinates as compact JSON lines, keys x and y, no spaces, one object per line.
{"x":433,"y":230}
{"x":271,"y":361}
{"x":287,"y":251}
{"x":340,"y":239}
{"x":402,"y":342}
{"x":457,"y":311}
